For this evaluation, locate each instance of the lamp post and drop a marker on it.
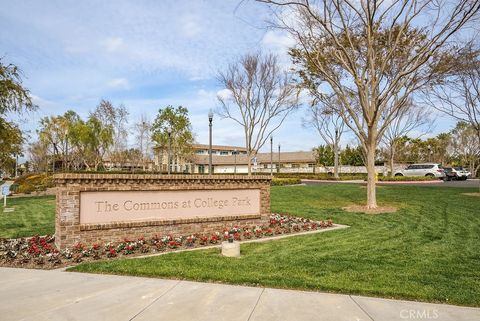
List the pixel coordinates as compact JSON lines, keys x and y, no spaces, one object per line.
{"x":271,"y":156}
{"x":16,"y":165}
{"x":235,"y":158}
{"x":278,"y":169}
{"x":169,"y":150}
{"x":53,"y":163}
{"x":210,"y":118}
{"x":66,"y":151}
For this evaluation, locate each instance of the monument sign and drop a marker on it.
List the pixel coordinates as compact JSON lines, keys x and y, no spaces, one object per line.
{"x":111,"y":207}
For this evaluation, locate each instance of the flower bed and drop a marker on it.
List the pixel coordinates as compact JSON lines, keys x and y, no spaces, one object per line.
{"x":40,"y":252}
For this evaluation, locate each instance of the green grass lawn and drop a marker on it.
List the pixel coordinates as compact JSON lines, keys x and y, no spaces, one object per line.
{"x":32,"y":215}
{"x":429,"y":250}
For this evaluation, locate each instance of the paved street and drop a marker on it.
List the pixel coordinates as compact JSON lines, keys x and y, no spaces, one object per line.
{"x":57,"y":295}
{"x":471,"y":183}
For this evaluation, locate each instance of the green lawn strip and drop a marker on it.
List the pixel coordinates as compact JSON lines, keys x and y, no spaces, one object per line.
{"x":429,"y":250}
{"x":32,"y":215}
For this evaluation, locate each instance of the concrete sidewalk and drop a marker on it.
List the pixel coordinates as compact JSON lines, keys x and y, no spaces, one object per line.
{"x":58,"y":295}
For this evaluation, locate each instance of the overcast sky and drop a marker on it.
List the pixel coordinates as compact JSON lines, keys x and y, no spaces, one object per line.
{"x":144,"y":54}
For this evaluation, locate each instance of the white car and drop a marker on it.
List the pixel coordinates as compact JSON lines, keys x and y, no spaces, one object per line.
{"x":427,"y":169}
{"x":462,"y":173}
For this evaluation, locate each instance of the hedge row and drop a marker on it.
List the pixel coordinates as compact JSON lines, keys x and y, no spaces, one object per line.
{"x":285,"y":181}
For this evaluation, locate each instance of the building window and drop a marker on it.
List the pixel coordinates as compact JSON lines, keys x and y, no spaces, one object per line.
{"x":311,"y":165}
{"x":201,"y":169}
{"x":223,"y":153}
{"x":295,"y":165}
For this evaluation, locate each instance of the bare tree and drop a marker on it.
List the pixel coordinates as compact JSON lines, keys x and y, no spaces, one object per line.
{"x":373,"y":55}
{"x":328,"y":123}
{"x":142,"y":130}
{"x":260,"y":96}
{"x":459,"y":94}
{"x":410,"y":118}
{"x":38,"y":155}
{"x":117,"y":119}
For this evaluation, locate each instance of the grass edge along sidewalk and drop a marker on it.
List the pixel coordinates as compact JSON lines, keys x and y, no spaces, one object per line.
{"x":427,"y":251}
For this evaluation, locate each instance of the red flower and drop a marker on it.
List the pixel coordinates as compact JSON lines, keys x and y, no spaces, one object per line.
{"x":112,"y":252}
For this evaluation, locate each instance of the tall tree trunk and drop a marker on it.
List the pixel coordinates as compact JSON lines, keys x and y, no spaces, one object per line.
{"x":371,"y":179}
{"x":335,"y":160}
{"x":392,"y":159}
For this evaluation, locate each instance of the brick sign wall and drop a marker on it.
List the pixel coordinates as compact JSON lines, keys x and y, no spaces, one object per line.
{"x":111,"y":207}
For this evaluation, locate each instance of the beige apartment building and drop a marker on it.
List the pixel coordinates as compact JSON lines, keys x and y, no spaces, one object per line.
{"x":233,"y":159}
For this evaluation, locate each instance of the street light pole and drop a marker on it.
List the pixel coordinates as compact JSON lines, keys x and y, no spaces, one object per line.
{"x":271,"y":156}
{"x":16,"y":165}
{"x":169,"y":151}
{"x":210,"y":118}
{"x":278,"y":169}
{"x":66,"y":151}
{"x":235,"y":157}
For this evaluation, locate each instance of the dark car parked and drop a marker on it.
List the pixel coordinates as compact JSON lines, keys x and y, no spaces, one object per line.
{"x":450,"y":174}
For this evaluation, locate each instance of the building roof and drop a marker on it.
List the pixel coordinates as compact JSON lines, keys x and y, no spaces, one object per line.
{"x":215,"y":147}
{"x":262,"y":158}
{"x":220,"y":147}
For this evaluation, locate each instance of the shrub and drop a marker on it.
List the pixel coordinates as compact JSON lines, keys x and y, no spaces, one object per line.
{"x":33,"y":183}
{"x":285,"y":181}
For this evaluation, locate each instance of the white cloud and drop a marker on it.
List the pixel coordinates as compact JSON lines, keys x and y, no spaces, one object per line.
{"x":191,"y":25}
{"x":278,"y":40}
{"x":113,"y":44}
{"x":119,"y":83}
{"x":224,"y":94}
